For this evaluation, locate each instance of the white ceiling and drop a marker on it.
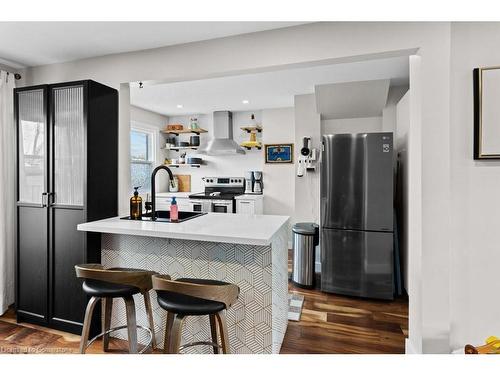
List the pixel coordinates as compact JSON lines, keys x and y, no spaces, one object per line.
{"x":263,"y":90}
{"x":40,"y":43}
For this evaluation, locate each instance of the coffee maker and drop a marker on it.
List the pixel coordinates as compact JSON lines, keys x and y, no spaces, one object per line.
{"x":253,"y":182}
{"x":249,"y":182}
{"x":258,"y":185}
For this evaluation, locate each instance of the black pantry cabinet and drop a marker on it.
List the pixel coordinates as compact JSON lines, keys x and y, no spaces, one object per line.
{"x":67,"y":174}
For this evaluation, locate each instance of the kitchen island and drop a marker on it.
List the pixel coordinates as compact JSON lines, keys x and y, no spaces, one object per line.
{"x":248,"y":250}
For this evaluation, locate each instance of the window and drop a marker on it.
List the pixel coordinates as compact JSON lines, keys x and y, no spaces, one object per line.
{"x":142,"y":158}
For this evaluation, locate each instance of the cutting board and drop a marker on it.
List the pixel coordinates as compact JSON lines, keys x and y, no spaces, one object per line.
{"x":184,"y":182}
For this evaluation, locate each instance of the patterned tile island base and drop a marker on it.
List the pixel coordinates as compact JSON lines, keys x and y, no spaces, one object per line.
{"x":256,"y":323}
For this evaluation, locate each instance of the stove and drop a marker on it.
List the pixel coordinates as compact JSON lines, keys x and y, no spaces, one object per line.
{"x":219,"y":194}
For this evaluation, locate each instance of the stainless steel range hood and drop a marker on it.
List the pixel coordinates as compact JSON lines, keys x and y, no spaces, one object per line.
{"x":222,"y":142}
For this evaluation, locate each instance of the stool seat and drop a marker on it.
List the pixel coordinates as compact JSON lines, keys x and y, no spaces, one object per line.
{"x":183,"y":304}
{"x":99,"y":288}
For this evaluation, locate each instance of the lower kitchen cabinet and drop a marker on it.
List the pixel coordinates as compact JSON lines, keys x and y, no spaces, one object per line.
{"x":67,"y":174}
{"x":249,"y":204}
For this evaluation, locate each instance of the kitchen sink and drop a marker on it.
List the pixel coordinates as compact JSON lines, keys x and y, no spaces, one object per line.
{"x":164,"y":216}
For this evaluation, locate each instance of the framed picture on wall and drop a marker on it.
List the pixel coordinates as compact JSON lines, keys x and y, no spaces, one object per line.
{"x":487,"y":113}
{"x":279,"y":153}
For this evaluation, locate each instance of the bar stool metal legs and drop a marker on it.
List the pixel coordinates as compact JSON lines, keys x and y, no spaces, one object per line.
{"x":131,"y":325}
{"x":173,"y":334}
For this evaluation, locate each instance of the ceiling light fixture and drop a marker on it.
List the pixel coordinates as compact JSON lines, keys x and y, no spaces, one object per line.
{"x":245,"y":101}
{"x":180,"y":106}
{"x":140,"y":85}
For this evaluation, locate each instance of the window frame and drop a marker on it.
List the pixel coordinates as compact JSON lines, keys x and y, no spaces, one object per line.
{"x":152,"y":141}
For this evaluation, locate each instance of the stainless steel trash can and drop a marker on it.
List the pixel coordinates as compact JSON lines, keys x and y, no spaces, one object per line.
{"x":305,"y":239}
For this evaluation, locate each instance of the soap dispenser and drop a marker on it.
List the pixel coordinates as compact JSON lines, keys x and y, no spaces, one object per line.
{"x":174,"y":211}
{"x":136,"y":205}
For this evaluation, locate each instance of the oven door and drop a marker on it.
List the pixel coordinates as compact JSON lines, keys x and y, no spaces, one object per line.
{"x":198,"y":206}
{"x":225,"y":207}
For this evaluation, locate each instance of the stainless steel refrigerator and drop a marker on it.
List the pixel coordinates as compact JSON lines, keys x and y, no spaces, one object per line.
{"x":357,"y":215}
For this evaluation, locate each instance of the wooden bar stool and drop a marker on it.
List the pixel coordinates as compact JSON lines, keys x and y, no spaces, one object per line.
{"x":106,"y":284}
{"x":187,"y":297}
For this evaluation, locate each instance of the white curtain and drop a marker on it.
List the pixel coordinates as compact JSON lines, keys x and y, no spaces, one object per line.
{"x":7,"y":190}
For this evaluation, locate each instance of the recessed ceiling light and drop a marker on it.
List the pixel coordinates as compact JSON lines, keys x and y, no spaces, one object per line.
{"x":180,"y":106}
{"x":245,"y":101}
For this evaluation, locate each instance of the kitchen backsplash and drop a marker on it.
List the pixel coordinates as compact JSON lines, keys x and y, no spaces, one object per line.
{"x":231,"y":165}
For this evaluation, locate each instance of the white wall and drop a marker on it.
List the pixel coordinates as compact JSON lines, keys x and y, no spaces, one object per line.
{"x":325,"y":42}
{"x":124,"y":186}
{"x":401,"y":150}
{"x":147,"y":117}
{"x":475,"y":255}
{"x":307,"y":124}
{"x":352,"y":125}
{"x":279,"y":188}
{"x":155,"y":122}
{"x":389,"y":112}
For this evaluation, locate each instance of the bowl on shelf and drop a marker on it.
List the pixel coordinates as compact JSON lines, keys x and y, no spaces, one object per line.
{"x":182,"y":144}
{"x":175,"y":127}
{"x":193,"y":160}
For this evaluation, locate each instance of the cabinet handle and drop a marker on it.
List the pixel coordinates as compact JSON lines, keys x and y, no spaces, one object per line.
{"x":44,"y":199}
{"x":50,"y":201}
{"x":246,"y":202}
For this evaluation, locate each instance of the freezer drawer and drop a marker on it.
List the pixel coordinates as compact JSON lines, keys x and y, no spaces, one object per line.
{"x":357,"y":263}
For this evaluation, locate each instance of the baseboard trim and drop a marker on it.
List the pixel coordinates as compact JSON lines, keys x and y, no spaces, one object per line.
{"x":409,"y":348}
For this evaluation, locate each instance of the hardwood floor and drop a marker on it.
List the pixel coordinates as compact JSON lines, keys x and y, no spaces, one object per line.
{"x":335,"y":324}
{"x":329,"y":324}
{"x":27,"y":338}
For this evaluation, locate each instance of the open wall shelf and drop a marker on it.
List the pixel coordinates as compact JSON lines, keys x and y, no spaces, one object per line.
{"x":185,"y":131}
{"x":258,"y":147}
{"x":181,"y":148}
{"x":183,"y":165}
{"x":250,"y":129}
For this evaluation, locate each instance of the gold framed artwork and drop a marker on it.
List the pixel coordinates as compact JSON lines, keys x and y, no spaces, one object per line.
{"x":279,"y":153}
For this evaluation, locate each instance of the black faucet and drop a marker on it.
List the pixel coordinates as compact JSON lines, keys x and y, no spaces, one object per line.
{"x":153,"y":188}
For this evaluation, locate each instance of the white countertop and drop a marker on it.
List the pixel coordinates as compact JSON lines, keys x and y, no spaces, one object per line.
{"x":216,"y":227}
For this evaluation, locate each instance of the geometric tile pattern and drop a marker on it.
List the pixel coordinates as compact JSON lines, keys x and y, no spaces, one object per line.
{"x":257,"y":322}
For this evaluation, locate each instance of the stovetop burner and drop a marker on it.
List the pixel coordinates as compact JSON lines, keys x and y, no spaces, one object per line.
{"x":221,"y":188}
{"x":211,"y":195}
